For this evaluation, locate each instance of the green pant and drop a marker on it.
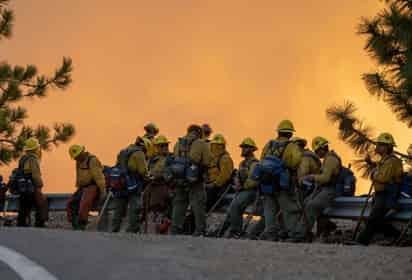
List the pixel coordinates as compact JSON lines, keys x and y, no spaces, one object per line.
{"x":242,"y":200}
{"x":132,"y":203}
{"x":196,"y":198}
{"x":376,"y":221}
{"x":289,"y":207}
{"x":315,"y":204}
{"x":271,"y":212}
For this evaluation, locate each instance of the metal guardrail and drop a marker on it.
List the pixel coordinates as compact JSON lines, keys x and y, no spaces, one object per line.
{"x":56,"y":201}
{"x":343,"y":207}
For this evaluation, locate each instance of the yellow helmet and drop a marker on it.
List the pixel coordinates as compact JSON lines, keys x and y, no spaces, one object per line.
{"x":151,"y":126}
{"x":319,"y":142}
{"x":76,"y":150}
{"x":218,"y":139}
{"x":161,"y":139}
{"x":286,"y":126}
{"x":31,"y":144}
{"x":249,"y":143}
{"x":386,"y":138}
{"x":299,"y":139}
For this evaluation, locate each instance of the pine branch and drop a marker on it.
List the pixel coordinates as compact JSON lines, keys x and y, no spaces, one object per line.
{"x":23,"y":82}
{"x":351,"y":130}
{"x":17,"y":83}
{"x":8,"y":141}
{"x":6,"y":21}
{"x":358,"y":136}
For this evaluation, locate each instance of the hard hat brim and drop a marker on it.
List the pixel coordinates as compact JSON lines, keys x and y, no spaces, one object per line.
{"x":247,"y":146}
{"x":286,"y":130}
{"x":31,"y":148}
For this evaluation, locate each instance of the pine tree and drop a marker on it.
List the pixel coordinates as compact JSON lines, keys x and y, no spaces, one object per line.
{"x":23,"y":82}
{"x":389,"y":44}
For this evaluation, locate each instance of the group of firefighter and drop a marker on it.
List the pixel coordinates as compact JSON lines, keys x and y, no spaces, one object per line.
{"x":174,"y":192}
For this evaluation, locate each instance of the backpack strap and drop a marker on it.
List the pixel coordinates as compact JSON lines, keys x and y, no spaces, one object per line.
{"x":252,"y":161}
{"x":184,"y":147}
{"x":276,"y":148}
{"x":152,"y":161}
{"x":124,"y":155}
{"x":311,"y":155}
{"x":23,"y":161}
{"x":89,"y":158}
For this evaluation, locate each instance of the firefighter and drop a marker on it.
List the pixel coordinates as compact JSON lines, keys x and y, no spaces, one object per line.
{"x":32,"y":194}
{"x":90,"y":184}
{"x":151,"y":130}
{"x":386,"y":179}
{"x":191,"y":154}
{"x":156,"y":198}
{"x":219,"y":172}
{"x":132,"y":160}
{"x":325,"y":191}
{"x":246,"y":189}
{"x":281,"y":203}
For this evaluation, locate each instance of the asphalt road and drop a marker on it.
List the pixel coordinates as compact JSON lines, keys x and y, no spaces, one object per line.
{"x":89,"y":255}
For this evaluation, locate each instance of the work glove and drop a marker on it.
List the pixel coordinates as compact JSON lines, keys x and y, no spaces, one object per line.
{"x":307,"y":179}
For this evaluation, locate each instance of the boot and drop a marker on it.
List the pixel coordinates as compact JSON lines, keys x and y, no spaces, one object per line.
{"x":234,"y":235}
{"x":82,"y":225}
{"x":199,"y":234}
{"x":75,"y":223}
{"x":40,"y":224}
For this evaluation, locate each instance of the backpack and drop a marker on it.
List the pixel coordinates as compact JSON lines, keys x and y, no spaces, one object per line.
{"x":180,"y":168}
{"x":20,"y":183}
{"x":346,"y":182}
{"x":406,"y":186}
{"x":118,"y":179}
{"x":271,"y":172}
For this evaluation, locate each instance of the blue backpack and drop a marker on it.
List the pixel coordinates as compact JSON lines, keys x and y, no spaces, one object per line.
{"x":271,"y":172}
{"x":180,"y":168}
{"x":346,"y":182}
{"x":406,"y":186}
{"x":118,"y":178}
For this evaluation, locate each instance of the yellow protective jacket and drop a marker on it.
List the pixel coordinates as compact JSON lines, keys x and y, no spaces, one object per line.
{"x":330,"y":170}
{"x":199,"y":152}
{"x":246,"y":168}
{"x":32,"y":167}
{"x":388,"y":171}
{"x":90,"y":172}
{"x":137,"y":163}
{"x":151,"y":150}
{"x":220,"y":169}
{"x":291,"y":155}
{"x":310,"y":164}
{"x":157,"y":167}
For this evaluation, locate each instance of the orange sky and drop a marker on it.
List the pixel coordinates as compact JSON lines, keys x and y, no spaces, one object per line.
{"x":240,"y":65}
